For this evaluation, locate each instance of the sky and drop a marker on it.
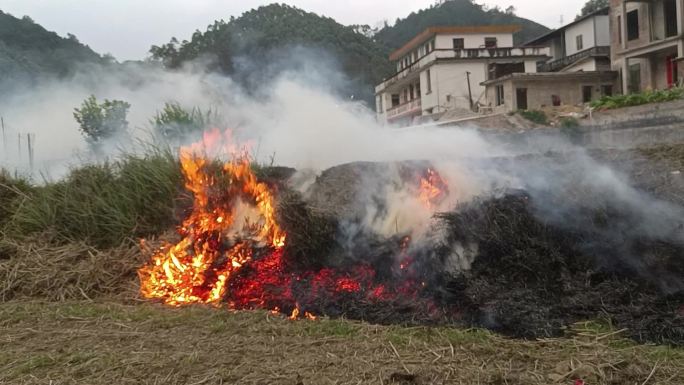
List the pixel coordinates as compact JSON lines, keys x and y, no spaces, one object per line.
{"x":128,"y":28}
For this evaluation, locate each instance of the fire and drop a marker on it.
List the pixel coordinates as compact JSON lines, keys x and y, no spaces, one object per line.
{"x":216,"y":239}
{"x":232,"y":249}
{"x":432,"y":189}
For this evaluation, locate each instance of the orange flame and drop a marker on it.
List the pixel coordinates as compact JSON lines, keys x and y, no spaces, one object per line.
{"x":432,"y":189}
{"x":217,"y":240}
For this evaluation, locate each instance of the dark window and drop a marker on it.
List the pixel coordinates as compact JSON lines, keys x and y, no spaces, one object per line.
{"x":670,"y":9}
{"x":580,"y":42}
{"x":428,"y":80}
{"x":395,"y":100}
{"x":555,"y":100}
{"x":633,"y":25}
{"x":499,"y":95}
{"x":607,"y":90}
{"x":459,"y":43}
{"x":634,"y":78}
{"x":411,"y":91}
{"x":586,"y":93}
{"x":490,"y":42}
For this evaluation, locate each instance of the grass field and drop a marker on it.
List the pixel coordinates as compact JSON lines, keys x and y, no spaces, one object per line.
{"x":112,"y":343}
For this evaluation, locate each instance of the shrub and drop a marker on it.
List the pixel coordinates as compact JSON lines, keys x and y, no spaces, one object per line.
{"x":535,"y":116}
{"x":174,"y":122}
{"x":620,"y":101}
{"x":101,"y":121}
{"x":104,"y":204}
{"x":569,"y":122}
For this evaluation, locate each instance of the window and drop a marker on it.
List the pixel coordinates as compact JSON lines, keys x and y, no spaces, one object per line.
{"x":634,"y":78}
{"x":586,"y":94}
{"x":633,"y":25}
{"x":555,"y":100}
{"x":619,"y":24}
{"x":490,"y":42}
{"x":580,"y":42}
{"x":459,"y":43}
{"x":499,"y":95}
{"x":395,"y":100}
{"x":428,"y":82}
{"x":411,"y":91}
{"x":670,"y":10}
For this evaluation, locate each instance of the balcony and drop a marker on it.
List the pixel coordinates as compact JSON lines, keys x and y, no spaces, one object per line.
{"x":410,"y":108}
{"x":559,"y":64}
{"x":465,"y":54}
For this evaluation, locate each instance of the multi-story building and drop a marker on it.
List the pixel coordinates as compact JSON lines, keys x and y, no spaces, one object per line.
{"x":442,"y":69}
{"x":647,"y":43}
{"x":583,"y":45}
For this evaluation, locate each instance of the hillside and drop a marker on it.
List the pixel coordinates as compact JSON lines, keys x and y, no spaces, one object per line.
{"x":455,"y":12}
{"x":259,"y":43}
{"x":29,"y":51}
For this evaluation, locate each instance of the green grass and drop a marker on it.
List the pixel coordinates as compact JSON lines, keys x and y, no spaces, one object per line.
{"x":535,"y":116}
{"x":102,"y":204}
{"x":637,"y":99}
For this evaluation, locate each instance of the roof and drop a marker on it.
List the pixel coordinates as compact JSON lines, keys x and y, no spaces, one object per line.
{"x":601,"y":12}
{"x":433,"y":31}
{"x":553,"y":76}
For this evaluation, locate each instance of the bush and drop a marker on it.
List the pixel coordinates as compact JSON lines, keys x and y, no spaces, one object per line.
{"x":175,"y":123}
{"x":535,"y":116}
{"x":101,"y":121}
{"x":620,"y":101}
{"x":104,"y":204}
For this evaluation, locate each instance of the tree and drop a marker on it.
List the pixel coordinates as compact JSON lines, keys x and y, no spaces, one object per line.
{"x":593,"y":6}
{"x":101,"y":121}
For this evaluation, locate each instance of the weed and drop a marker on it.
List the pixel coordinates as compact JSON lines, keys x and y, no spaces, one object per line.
{"x":535,"y":116}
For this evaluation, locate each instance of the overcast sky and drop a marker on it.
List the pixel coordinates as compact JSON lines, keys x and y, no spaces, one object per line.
{"x":127,"y":28}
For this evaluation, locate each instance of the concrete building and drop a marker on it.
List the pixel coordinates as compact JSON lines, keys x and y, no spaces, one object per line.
{"x":442,"y":69}
{"x":547,"y":89}
{"x":578,"y":71}
{"x":647,"y":43}
{"x":583,"y":45}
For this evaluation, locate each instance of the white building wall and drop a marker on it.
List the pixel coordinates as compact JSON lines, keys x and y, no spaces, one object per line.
{"x":602,"y":30}
{"x":586,"y":66}
{"x":473,"y":40}
{"x":586,"y":30}
{"x":451,"y":85}
{"x":429,"y":94}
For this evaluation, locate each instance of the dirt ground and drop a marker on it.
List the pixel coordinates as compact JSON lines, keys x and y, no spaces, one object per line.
{"x":110,"y":343}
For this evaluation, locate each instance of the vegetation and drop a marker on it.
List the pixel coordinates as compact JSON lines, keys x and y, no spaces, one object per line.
{"x":29,"y":51}
{"x":592,"y":6}
{"x":535,"y":116}
{"x":174,"y":122}
{"x":101,"y":121}
{"x":103,"y":205}
{"x":456,"y":12}
{"x":273,"y":32}
{"x":620,"y":101}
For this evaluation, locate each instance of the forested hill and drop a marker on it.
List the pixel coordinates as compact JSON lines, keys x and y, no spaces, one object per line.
{"x":456,"y":12}
{"x":271,"y":35}
{"x":29,"y":51}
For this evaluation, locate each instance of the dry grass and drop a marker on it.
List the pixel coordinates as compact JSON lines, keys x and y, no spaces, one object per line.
{"x":70,"y":272}
{"x":106,"y":343}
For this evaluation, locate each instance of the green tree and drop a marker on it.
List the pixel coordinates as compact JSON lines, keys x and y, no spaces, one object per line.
{"x":101,"y":121}
{"x":593,"y":6}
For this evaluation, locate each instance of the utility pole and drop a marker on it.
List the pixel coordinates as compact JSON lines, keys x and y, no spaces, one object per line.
{"x":470,"y":92}
{"x":4,"y":137}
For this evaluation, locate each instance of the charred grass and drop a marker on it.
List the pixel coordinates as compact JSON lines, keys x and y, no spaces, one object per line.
{"x":104,"y":343}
